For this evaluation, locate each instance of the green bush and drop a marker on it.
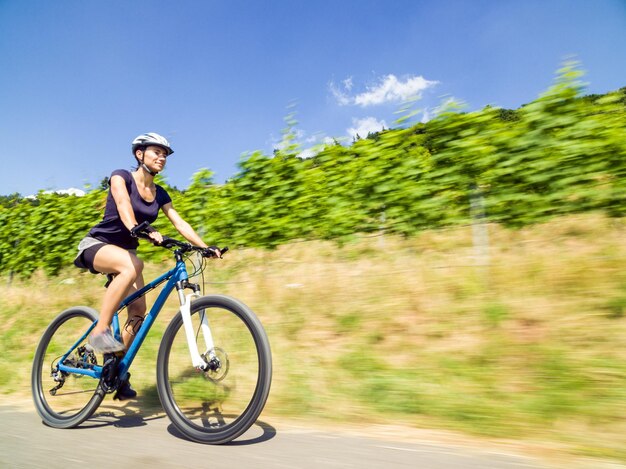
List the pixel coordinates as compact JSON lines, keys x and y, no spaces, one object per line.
{"x":560,"y":154}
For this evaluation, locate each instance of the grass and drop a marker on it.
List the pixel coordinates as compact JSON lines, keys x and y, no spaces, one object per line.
{"x":417,"y":331}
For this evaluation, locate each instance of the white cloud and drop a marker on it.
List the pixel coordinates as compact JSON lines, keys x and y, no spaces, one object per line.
{"x":341,"y":95}
{"x":308,"y":153}
{"x":316,"y":143}
{"x":312,"y":140}
{"x":363,"y":127}
{"x":70,"y":191}
{"x":388,"y":89}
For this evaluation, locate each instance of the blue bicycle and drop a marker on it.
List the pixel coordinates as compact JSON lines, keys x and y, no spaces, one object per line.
{"x":214,"y":365}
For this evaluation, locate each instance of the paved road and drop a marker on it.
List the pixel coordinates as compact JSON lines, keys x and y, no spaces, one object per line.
{"x":126,"y":437}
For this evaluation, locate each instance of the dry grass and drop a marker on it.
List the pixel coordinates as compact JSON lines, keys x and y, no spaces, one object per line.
{"x":421,"y":330}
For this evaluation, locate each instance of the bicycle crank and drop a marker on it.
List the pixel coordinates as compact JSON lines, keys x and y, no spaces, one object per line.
{"x":109,"y":380}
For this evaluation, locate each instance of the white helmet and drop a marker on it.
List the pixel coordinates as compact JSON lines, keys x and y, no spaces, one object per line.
{"x":152,"y":138}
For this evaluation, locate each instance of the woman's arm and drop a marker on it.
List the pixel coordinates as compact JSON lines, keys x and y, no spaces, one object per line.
{"x":182,"y":226}
{"x":122,"y":200}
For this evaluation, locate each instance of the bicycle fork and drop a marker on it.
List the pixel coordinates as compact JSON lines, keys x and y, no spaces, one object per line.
{"x":207,"y":360}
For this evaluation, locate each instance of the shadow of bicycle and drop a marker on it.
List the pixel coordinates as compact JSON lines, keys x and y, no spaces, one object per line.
{"x":138,"y":413}
{"x":127,"y":416}
{"x":259,"y":432}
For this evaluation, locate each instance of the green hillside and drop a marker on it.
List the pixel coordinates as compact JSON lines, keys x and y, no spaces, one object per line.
{"x":523,"y":340}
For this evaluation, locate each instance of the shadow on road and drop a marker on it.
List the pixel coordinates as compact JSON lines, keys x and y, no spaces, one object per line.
{"x":122,"y":417}
{"x":251,"y":437}
{"x":134,"y":414}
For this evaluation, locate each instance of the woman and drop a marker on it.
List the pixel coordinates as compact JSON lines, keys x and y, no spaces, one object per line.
{"x":110,"y":246}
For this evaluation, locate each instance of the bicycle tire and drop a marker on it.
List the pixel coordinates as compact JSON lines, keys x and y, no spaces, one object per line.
{"x":49,"y":405}
{"x":215,"y":408}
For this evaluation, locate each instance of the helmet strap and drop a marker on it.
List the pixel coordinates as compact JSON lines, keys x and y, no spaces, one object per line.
{"x":148,"y":170}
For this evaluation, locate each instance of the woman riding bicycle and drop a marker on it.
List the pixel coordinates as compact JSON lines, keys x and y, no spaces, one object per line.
{"x":110,"y":246}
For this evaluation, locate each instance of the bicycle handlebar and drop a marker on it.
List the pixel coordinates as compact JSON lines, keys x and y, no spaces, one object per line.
{"x":144,"y":229}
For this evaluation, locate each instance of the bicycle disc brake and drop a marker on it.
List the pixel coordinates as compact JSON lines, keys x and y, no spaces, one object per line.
{"x":217,"y":364}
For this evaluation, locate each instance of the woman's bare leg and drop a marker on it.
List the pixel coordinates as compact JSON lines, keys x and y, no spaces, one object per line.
{"x":127,"y":268}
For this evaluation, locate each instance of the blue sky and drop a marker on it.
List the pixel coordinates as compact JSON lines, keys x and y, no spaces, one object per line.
{"x":80,"y":79}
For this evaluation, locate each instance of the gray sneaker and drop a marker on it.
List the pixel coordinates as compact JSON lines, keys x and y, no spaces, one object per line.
{"x":105,"y":343}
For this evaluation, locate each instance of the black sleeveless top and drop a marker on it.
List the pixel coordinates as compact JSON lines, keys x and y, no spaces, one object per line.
{"x":111,"y":230}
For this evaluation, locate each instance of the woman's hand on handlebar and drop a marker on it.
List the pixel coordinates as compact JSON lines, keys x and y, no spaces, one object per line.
{"x":144,"y":230}
{"x":212,"y":251}
{"x":155,"y":237}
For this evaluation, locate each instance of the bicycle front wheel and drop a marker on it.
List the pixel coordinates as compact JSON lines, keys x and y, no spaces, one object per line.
{"x":217,"y":405}
{"x":65,"y":400}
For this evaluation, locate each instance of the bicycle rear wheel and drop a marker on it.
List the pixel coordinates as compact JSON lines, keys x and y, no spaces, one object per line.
{"x":218,"y":405}
{"x":65,"y":400}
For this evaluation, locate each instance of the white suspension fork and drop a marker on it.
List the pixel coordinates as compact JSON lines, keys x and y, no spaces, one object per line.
{"x":185,"y":310}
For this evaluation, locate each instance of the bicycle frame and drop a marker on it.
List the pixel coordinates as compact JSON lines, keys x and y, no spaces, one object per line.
{"x":176,"y":278}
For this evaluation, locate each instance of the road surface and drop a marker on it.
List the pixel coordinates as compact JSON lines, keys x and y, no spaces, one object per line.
{"x":124,"y":436}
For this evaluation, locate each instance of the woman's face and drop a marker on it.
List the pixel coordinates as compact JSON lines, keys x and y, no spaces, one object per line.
{"x":155,"y":157}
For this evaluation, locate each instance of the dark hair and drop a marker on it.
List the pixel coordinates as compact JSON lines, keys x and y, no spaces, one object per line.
{"x":141,"y":148}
